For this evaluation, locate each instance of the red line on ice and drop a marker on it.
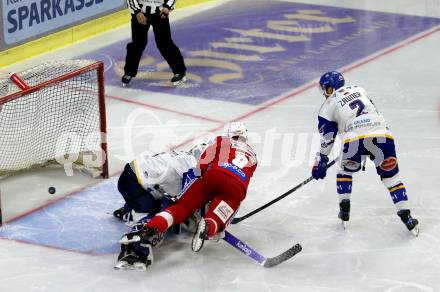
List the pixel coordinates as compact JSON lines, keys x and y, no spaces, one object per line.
{"x":144,"y":104}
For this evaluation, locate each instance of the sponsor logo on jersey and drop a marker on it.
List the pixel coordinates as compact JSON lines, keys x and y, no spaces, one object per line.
{"x":244,"y":248}
{"x":223,"y":211}
{"x":234,"y":169}
{"x":389,"y":164}
{"x":363,"y":121}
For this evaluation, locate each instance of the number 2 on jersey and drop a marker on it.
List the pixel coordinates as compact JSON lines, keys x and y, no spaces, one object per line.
{"x":359,"y":105}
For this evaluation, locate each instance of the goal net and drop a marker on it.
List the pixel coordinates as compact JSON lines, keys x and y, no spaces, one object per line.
{"x":59,"y":119}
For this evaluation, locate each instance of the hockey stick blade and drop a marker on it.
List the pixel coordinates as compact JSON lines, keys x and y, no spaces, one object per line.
{"x":239,"y":219}
{"x":256,"y":256}
{"x":272,"y":262}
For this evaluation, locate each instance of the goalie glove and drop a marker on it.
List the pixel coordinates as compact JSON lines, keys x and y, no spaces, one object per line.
{"x":319,"y":170}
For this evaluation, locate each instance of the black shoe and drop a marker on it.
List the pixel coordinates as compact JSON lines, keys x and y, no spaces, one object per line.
{"x":178,"y":79}
{"x":122,"y":214}
{"x":129,"y":260}
{"x":410,"y":222}
{"x":344,"y":210}
{"x":125,"y":80}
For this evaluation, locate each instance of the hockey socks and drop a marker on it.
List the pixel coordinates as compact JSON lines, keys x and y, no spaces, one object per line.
{"x":344,"y":184}
{"x":398,"y":193}
{"x":161,"y":221}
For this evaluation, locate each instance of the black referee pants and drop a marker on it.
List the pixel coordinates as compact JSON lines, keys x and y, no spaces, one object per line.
{"x":162,"y":34}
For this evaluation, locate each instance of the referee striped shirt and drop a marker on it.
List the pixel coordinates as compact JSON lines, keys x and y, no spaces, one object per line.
{"x":149,"y":6}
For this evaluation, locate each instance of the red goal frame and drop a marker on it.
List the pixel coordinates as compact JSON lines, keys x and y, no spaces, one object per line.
{"x":99,"y":67}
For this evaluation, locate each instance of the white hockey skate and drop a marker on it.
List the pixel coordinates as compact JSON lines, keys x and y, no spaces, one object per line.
{"x":200,"y":236}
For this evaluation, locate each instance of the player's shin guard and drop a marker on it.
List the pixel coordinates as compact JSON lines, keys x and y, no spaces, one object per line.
{"x":397,"y":191}
{"x":399,"y":197}
{"x":161,"y":221}
{"x":344,"y":184}
{"x":220,"y":213}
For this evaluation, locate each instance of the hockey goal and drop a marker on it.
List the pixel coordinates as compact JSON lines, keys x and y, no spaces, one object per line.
{"x":58,"y":119}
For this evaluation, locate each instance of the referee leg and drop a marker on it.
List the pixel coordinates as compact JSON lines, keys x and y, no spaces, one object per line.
{"x":167,"y":48}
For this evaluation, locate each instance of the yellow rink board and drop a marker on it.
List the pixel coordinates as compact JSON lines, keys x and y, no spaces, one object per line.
{"x":73,"y":34}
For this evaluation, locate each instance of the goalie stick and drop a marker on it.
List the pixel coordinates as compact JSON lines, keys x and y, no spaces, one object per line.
{"x":256,"y":256}
{"x":239,"y":219}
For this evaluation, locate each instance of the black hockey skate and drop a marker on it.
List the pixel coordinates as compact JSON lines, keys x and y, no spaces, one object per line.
{"x":125,"y":80}
{"x":178,"y":79}
{"x":200,"y":236}
{"x":344,"y":212}
{"x":128,"y":259}
{"x":410,"y":222}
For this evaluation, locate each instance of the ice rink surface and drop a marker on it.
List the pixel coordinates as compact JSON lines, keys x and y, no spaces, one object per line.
{"x":258,"y":62}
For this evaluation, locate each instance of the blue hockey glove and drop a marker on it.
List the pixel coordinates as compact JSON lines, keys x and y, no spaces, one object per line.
{"x":319,"y":170}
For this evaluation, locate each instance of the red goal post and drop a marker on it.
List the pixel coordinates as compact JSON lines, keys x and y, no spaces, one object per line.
{"x":59,"y":119}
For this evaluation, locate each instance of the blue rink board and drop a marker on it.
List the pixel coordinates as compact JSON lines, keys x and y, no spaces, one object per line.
{"x":82,"y":222}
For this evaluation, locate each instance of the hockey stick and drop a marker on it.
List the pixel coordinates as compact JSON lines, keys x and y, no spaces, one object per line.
{"x":256,"y":256}
{"x":253,"y":254}
{"x":239,"y":219}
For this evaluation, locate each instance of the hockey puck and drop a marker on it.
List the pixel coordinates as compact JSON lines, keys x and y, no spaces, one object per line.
{"x":51,"y":190}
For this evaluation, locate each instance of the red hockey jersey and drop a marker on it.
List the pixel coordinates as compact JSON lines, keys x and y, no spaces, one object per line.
{"x":236,"y":158}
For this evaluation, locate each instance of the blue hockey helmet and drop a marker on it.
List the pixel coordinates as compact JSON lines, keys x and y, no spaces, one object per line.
{"x":332,"y":79}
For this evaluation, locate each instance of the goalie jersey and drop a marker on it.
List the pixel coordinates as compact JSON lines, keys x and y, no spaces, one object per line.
{"x":350,"y":112}
{"x":165,"y":169}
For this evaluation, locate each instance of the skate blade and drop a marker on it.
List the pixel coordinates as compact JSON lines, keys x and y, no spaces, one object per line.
{"x":124,"y":85}
{"x":124,"y":266}
{"x":344,"y":224}
{"x":198,"y":238}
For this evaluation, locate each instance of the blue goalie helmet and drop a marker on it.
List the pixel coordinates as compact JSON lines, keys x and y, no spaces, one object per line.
{"x":333,"y":79}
